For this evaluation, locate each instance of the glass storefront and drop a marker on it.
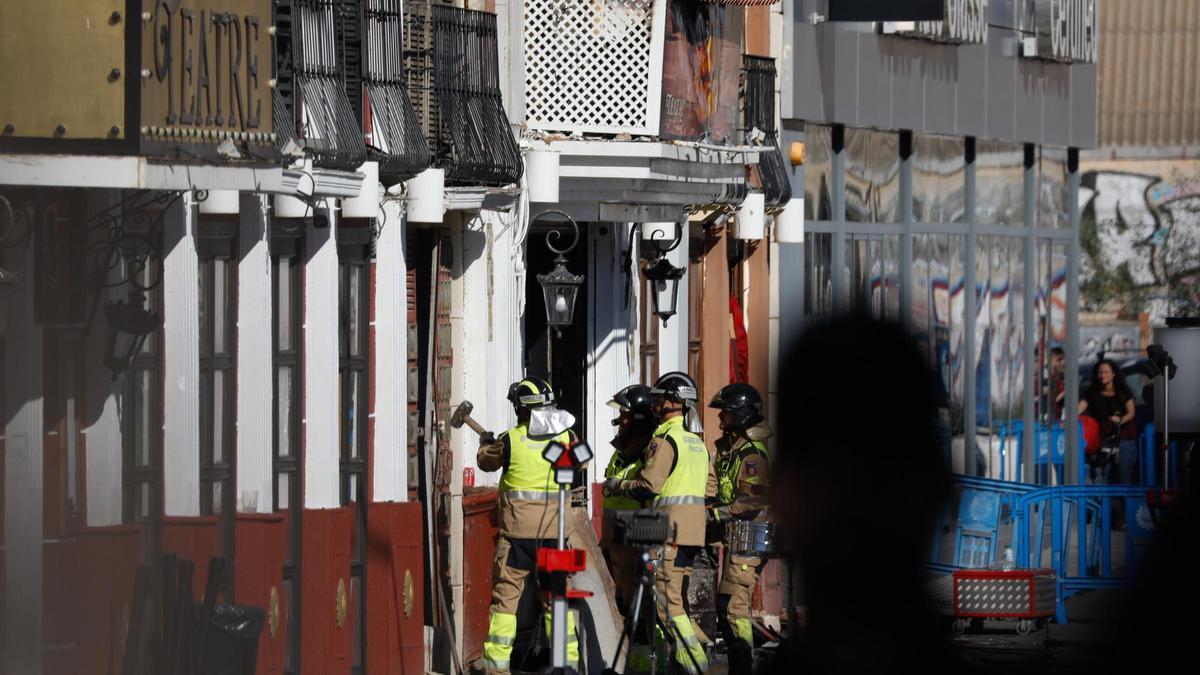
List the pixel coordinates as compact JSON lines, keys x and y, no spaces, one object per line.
{"x":981,"y":362}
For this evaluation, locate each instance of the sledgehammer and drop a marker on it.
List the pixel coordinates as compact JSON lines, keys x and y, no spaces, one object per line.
{"x":463,"y":414}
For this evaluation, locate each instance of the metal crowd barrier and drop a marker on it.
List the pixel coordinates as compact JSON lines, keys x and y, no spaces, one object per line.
{"x":1065,"y":528}
{"x":1148,"y":457}
{"x":1081,"y":544}
{"x":1050,"y":440}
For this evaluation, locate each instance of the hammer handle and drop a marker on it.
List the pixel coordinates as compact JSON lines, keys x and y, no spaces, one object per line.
{"x":474,"y":425}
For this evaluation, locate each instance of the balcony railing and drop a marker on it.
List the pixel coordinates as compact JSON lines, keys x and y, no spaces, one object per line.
{"x":311,"y":105}
{"x":452,"y":66}
{"x":758,"y":97}
{"x":395,"y":139}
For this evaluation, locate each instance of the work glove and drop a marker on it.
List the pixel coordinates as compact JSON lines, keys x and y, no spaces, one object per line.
{"x":487,"y":438}
{"x":612,"y":485}
{"x":718,"y":514}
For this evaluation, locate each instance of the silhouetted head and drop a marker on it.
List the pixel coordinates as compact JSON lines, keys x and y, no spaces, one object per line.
{"x":859,"y":478}
{"x":857,"y":447}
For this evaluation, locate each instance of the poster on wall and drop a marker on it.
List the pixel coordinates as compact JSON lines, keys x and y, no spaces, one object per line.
{"x":702,"y":61}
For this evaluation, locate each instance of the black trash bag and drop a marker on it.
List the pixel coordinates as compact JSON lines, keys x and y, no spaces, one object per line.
{"x":231,"y":643}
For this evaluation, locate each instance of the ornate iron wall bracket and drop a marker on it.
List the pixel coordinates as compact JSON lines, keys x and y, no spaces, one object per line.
{"x":126,"y":235}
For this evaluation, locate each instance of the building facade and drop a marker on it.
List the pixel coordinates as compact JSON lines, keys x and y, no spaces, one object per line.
{"x":248,"y":282}
{"x":942,"y":158}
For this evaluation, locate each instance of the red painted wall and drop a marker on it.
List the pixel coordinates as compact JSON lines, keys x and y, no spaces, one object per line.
{"x":395,"y":588}
{"x":324,"y":562}
{"x":261,"y":549}
{"x":598,"y":510}
{"x":480,"y":526}
{"x":91,"y":610}
{"x":194,"y":538}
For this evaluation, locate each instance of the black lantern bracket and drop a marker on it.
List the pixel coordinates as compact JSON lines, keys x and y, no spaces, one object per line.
{"x":560,"y":287}
{"x":127,"y":233}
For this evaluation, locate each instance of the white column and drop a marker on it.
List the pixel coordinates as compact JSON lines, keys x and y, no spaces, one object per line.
{"x":465,"y":368}
{"x":103,"y":397}
{"x":477,"y":364}
{"x":390,"y":472}
{"x":23,"y":453}
{"x":255,"y":390}
{"x":181,"y":346}
{"x":773,"y":346}
{"x":673,"y":337}
{"x":321,"y":366}
{"x":612,"y":355}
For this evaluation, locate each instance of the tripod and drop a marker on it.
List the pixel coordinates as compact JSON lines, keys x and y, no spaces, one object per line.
{"x":647,"y":570}
{"x":646,"y":582}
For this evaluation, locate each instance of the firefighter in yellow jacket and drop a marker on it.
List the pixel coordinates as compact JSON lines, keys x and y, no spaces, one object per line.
{"x":635,"y":424}
{"x":528,"y":512}
{"x":741,"y":470}
{"x":673,"y":479}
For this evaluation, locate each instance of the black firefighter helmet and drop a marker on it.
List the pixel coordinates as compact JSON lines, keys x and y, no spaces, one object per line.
{"x":676,"y":386}
{"x":742,"y":401}
{"x":636,"y":399}
{"x":531,"y":392}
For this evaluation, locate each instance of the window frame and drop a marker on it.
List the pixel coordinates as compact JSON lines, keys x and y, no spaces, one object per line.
{"x":354,"y":252}
{"x":218,"y":241}
{"x":287,"y":240}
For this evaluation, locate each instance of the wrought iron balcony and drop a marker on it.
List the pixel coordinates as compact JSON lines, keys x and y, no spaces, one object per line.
{"x":758,"y":98}
{"x":394,"y":133}
{"x":452,"y":66}
{"x":311,"y":107}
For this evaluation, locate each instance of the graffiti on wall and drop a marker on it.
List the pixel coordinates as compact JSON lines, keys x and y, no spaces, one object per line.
{"x":1114,"y":341}
{"x":1140,"y":234}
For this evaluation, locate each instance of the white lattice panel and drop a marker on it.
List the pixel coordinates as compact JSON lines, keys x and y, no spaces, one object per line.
{"x":593,"y":65}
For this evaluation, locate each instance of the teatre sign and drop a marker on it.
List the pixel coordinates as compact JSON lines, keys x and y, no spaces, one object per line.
{"x":206,"y":67}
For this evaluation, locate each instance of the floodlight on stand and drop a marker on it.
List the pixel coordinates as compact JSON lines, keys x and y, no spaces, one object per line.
{"x":552,"y":452}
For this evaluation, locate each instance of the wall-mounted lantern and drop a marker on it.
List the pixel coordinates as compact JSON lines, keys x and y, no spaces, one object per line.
{"x":9,"y":281}
{"x":8,"y":291}
{"x":665,"y":277}
{"x":560,"y":287}
{"x":665,"y":293}
{"x":129,"y":323}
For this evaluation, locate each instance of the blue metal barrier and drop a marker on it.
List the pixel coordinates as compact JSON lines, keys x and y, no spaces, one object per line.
{"x":985,"y":506}
{"x":1052,"y":450}
{"x":1081,"y":535}
{"x":1148,"y":455}
{"x":1077,"y":519}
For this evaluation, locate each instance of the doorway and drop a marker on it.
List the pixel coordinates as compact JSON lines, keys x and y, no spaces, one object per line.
{"x":561,"y":360}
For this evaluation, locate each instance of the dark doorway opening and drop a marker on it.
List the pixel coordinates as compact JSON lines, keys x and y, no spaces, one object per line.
{"x":560,"y":360}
